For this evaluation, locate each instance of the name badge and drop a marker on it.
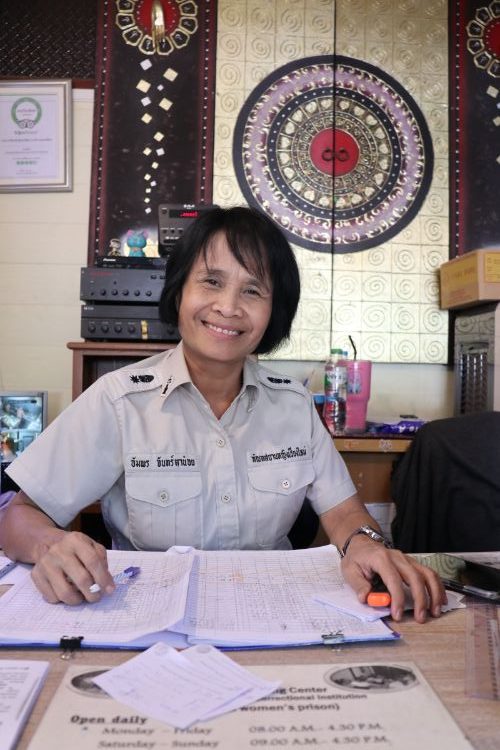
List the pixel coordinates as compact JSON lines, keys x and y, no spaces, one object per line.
{"x":279,"y":455}
{"x":141,"y":462}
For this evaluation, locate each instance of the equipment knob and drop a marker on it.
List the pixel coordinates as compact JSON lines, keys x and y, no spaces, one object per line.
{"x":131,"y":327}
{"x":92,"y":327}
{"x":104,"y":327}
{"x":118,"y":327}
{"x":125,"y":292}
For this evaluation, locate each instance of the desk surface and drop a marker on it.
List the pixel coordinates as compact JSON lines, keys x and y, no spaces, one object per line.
{"x":438,"y":648}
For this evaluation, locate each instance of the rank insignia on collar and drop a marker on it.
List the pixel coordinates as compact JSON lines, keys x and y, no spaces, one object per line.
{"x":169,"y":381}
{"x":278,"y":380}
{"x":142,"y":378}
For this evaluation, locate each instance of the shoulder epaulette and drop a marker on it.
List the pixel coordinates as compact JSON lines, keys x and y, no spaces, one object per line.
{"x":126,"y":381}
{"x":280,"y":382}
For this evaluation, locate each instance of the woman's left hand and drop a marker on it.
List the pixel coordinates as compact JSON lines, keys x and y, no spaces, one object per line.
{"x":365,"y":558}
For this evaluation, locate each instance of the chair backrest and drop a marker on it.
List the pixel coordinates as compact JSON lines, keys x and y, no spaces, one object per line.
{"x":447,"y":487}
{"x":304,"y":530}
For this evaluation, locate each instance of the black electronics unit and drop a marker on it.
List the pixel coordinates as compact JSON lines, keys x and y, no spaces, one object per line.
{"x":125,"y":323}
{"x":122,"y":292}
{"x":116,"y":285}
{"x":173,"y":220}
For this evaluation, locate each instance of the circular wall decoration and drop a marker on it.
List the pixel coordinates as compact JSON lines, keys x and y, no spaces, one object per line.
{"x":346,"y":171}
{"x":283,"y":150}
{"x":483,"y":38}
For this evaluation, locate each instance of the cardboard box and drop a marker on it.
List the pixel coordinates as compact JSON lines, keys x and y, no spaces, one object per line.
{"x":470,"y":279}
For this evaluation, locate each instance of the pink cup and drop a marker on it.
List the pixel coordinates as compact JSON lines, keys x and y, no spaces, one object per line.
{"x":359,"y":373}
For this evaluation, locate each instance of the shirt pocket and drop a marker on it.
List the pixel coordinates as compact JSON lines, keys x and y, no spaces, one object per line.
{"x":164,"y":509}
{"x":278,"y":492}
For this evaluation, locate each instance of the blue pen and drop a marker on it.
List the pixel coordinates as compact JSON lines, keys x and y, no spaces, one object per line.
{"x":7,"y":567}
{"x":122,"y":577}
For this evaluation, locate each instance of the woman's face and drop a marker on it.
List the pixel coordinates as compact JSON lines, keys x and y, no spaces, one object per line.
{"x":224,"y":309}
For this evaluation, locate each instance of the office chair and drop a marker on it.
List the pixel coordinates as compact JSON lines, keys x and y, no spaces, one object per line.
{"x":304,"y":530}
{"x":446,"y":487}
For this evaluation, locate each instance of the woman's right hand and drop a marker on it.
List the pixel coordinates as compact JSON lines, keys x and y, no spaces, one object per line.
{"x":67,"y":569}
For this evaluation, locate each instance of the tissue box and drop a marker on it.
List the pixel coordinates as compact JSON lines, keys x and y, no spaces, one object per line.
{"x":470,"y":279}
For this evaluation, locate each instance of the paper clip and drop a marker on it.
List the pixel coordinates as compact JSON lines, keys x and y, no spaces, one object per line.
{"x":332,"y":639}
{"x":69,"y":644}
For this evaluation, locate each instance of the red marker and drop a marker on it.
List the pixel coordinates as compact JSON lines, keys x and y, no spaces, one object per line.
{"x":378,"y":596}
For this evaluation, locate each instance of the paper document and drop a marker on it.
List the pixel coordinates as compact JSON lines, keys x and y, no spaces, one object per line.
{"x":229,"y":599}
{"x":182,"y":688}
{"x":20,"y":683}
{"x":361,"y":705}
{"x":154,"y":600}
{"x":15,"y":574}
{"x":268,"y":598}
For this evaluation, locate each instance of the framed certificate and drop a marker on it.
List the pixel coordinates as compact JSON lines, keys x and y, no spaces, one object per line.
{"x":35,"y":135}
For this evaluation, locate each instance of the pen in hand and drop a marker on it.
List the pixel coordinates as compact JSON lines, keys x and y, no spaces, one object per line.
{"x":122,"y":577}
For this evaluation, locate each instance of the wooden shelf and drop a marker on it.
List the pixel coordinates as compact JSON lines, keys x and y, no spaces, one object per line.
{"x":91,"y":359}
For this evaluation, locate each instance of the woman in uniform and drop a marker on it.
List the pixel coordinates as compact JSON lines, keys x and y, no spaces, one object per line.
{"x":201,"y":445}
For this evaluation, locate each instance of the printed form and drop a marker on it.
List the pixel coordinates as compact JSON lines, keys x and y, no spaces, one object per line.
{"x":228,"y":598}
{"x":152,"y":601}
{"x":268,"y":598}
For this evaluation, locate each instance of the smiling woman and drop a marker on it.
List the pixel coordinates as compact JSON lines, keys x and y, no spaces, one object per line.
{"x":200,"y":445}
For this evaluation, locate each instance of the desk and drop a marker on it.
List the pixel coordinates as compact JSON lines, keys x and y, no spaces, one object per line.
{"x":438,"y":649}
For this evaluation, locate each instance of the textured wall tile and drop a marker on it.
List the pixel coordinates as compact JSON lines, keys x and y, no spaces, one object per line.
{"x":376,"y":316}
{"x":382,"y":292}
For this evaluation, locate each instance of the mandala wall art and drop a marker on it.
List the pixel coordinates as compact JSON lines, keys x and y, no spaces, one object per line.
{"x":333,"y":119}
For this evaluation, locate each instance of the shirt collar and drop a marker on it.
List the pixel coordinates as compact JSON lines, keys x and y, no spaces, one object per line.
{"x":174,"y":373}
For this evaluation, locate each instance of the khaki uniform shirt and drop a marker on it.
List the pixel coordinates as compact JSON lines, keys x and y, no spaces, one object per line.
{"x":144,"y":440}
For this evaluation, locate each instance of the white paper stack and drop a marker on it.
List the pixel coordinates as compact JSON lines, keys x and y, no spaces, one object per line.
{"x":183,"y":688}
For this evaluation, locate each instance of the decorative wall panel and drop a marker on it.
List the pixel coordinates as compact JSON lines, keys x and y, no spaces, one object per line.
{"x":153,"y":122}
{"x":383,"y":291}
{"x":475,"y":141}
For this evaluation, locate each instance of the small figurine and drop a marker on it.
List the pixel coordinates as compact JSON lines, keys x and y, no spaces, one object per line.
{"x":136,"y":241}
{"x":115,"y":248}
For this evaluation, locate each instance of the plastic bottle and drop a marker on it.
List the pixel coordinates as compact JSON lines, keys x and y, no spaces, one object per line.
{"x":334,"y":410}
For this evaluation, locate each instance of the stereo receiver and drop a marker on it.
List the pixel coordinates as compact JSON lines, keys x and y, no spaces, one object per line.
{"x":125,"y":323}
{"x":128,"y":285}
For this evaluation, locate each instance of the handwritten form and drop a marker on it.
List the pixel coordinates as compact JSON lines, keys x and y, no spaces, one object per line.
{"x":182,"y":688}
{"x":152,"y":601}
{"x":268,"y":598}
{"x":229,"y":598}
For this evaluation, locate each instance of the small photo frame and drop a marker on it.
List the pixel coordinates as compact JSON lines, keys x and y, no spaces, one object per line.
{"x":35,"y":135}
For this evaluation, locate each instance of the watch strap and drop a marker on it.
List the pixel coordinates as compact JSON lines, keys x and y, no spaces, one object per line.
{"x":367,"y":531}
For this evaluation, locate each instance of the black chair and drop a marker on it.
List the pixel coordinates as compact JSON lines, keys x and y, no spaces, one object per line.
{"x":446,"y":487}
{"x":304,"y":530}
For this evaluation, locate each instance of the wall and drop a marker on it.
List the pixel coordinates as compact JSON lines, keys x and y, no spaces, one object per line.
{"x":44,"y":245}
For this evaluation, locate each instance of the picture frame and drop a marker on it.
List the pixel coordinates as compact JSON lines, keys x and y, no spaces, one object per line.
{"x":36,"y":135}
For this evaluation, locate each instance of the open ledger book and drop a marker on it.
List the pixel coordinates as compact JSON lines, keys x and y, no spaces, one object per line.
{"x":184,"y":596}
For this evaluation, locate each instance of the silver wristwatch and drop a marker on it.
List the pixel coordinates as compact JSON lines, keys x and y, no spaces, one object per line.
{"x":368,"y":531}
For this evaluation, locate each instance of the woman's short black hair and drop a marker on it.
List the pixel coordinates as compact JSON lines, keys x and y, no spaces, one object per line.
{"x":258,"y":245}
